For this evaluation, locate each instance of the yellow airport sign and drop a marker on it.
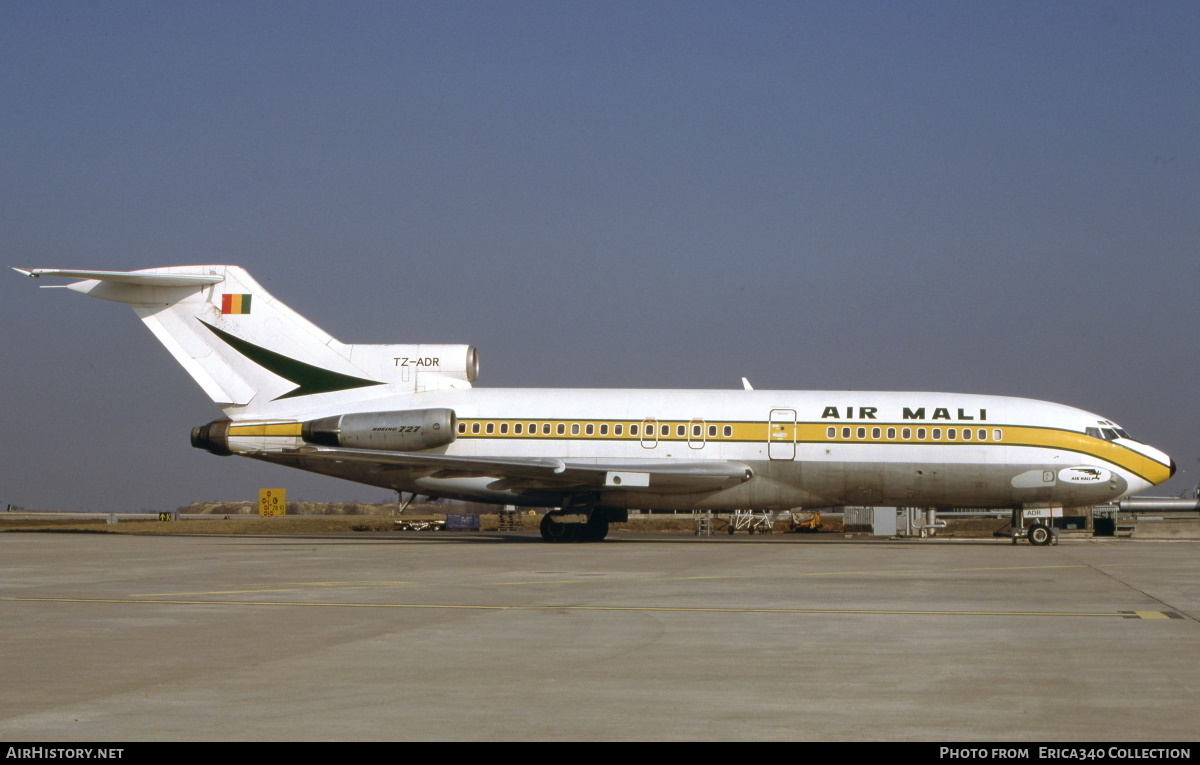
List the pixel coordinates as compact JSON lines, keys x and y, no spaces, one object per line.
{"x":272,"y":503}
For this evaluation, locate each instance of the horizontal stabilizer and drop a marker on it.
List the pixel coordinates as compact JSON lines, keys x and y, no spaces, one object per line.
{"x":128,"y":277}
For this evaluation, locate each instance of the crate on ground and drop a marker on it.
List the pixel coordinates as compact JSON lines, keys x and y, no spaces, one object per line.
{"x":462,"y":522}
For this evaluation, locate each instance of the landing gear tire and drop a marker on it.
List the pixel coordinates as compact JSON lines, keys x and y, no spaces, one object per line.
{"x":1039,"y":535}
{"x":596,"y":529}
{"x":553,"y":531}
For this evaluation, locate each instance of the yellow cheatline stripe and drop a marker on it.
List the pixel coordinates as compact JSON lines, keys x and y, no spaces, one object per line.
{"x":531,"y":428}
{"x":628,"y":609}
{"x":751,"y":432}
{"x":265,"y":429}
{"x":810,"y":432}
{"x":1152,"y":471}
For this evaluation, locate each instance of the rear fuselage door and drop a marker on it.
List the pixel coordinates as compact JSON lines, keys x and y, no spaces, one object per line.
{"x":781,"y":434}
{"x":649,"y":433}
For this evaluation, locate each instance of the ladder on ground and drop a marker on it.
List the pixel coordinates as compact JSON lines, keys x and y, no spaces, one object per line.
{"x":751,"y":521}
{"x":507,"y":520}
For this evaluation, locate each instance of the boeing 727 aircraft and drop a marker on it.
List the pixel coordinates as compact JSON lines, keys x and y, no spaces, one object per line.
{"x":406,"y":417}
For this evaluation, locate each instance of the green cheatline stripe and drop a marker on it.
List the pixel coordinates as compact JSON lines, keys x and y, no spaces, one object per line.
{"x":308,"y":378}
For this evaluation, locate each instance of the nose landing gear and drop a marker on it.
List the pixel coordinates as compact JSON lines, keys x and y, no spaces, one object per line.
{"x":1038,"y":533}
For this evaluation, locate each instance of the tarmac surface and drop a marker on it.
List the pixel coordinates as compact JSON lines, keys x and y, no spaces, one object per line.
{"x":486,"y":636}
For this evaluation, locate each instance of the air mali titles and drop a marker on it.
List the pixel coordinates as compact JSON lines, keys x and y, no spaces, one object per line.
{"x":908,"y":413}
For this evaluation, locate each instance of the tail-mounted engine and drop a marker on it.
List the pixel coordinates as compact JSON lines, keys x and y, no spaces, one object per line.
{"x":213,"y":437}
{"x":403,"y":431}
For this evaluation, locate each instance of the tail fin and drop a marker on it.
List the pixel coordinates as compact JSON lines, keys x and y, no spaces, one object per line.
{"x":257,"y":358}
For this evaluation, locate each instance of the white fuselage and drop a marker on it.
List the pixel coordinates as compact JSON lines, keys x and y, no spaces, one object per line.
{"x":805,"y":448}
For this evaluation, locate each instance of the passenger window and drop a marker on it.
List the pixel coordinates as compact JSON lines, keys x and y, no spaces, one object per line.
{"x":475,"y":427}
{"x":545,"y":428}
{"x":680,"y":431}
{"x":633,"y":430}
{"x":966,"y":434}
{"x":845,"y":432}
{"x":920,"y":434}
{"x":830,"y":432}
{"x":997,"y":435}
{"x":875,"y":433}
{"x":462,"y":427}
{"x":727,"y":431}
{"x":891,"y":434}
{"x":937,"y":434}
{"x":906,"y":434}
{"x":589,"y":429}
{"x":982,"y":434}
{"x":504,"y":428}
{"x":491,"y":428}
{"x":604,"y":429}
{"x":562,"y":428}
{"x":617,"y":429}
{"x":697,"y":430}
{"x":574,"y":428}
{"x":712,"y":431}
{"x":951,"y":433}
{"x":862,"y":432}
{"x":666,"y":430}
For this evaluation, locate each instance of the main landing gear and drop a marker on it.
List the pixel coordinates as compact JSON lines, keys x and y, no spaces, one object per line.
{"x":593,"y":530}
{"x":579,"y":520}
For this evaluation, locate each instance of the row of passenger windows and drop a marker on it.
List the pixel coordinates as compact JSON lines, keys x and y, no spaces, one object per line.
{"x":906,"y":434}
{"x":649,"y":429}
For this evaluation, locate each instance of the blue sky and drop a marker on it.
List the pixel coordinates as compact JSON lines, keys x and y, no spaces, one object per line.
{"x":979,"y":197}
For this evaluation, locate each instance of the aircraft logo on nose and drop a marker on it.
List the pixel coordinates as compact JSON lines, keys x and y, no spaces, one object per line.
{"x":1083,"y":475}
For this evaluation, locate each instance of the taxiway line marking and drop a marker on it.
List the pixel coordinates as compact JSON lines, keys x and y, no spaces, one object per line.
{"x":1154,"y":615}
{"x":799,"y":575}
{"x":366,"y":584}
{"x":635,"y":609}
{"x":297,"y":587}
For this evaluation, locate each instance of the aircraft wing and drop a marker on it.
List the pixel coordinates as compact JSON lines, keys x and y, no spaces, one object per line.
{"x":674,"y":476}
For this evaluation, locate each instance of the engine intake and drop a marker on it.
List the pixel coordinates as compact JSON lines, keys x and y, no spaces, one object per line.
{"x":404,"y":431}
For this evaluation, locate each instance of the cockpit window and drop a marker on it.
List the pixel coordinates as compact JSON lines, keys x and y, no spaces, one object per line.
{"x":1109,"y":431}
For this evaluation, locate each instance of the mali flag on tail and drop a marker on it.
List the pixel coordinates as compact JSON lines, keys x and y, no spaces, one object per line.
{"x":235,"y":304}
